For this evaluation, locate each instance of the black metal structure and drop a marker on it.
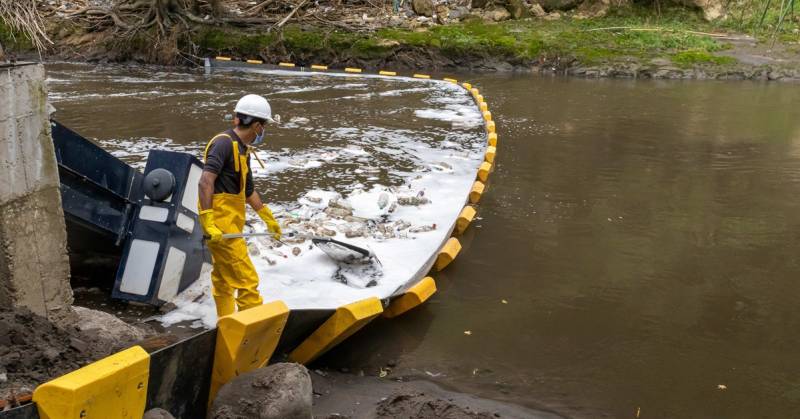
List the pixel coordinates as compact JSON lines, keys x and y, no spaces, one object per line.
{"x":119,"y":218}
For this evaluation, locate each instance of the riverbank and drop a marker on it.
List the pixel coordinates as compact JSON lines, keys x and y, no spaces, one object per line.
{"x":354,"y":396}
{"x":629,"y":43}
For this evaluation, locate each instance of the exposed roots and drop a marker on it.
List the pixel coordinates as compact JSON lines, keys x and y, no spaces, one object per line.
{"x":22,"y":16}
{"x":130,"y":17}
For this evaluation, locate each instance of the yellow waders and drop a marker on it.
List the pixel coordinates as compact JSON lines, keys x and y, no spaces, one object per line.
{"x":233,"y":269}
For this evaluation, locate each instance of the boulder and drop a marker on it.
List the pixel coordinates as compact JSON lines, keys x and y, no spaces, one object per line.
{"x":552,"y":16}
{"x":712,"y":9}
{"x":157,"y":413}
{"x":442,"y":13}
{"x":459,"y":13}
{"x":517,"y":8}
{"x":279,"y":391}
{"x":107,"y":326}
{"x":480,"y":4}
{"x":536,"y":10}
{"x":496,"y":15}
{"x":598,"y":8}
{"x":551,"y":5}
{"x":423,"y":7}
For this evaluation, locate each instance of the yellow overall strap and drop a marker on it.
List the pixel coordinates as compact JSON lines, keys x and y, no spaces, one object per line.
{"x":235,"y":150}
{"x":245,"y":169}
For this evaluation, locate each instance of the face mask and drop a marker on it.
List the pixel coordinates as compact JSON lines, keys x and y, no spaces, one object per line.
{"x":259,"y":138}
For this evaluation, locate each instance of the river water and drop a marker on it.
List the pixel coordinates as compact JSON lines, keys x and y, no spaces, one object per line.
{"x":636,"y":252}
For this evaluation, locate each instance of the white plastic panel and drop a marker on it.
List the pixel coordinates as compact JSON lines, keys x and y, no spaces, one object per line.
{"x":150,"y":213}
{"x":139,"y":267}
{"x":185,"y":223}
{"x":173,"y":270}
{"x":190,"y":193}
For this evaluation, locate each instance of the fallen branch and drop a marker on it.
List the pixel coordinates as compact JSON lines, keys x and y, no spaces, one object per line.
{"x":289,"y":16}
{"x":635,"y":29}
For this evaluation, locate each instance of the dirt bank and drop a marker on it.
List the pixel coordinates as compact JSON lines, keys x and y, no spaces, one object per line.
{"x":632,"y":42}
{"x":34,"y":350}
{"x":341,"y":395}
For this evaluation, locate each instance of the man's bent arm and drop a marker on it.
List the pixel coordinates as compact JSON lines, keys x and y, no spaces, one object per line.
{"x":255,"y":201}
{"x":206,"y":189}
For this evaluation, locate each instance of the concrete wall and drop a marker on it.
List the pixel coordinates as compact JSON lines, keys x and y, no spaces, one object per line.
{"x":34,"y":267}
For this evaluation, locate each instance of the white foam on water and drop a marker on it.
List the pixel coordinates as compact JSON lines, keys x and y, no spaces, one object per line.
{"x":435,"y":166}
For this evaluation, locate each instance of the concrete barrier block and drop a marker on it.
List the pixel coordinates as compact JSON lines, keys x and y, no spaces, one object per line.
{"x":387,"y":73}
{"x":477,"y":191}
{"x":246,"y":341}
{"x":113,"y":387}
{"x":413,"y":297}
{"x":465,"y":219}
{"x":448,"y":253}
{"x":493,"y":139}
{"x":484,"y":170}
{"x":467,"y":86}
{"x":289,"y":65}
{"x":490,"y":154}
{"x":341,"y":325}
{"x":352,"y":70}
{"x":483,"y":106}
{"x":490,"y":127}
{"x":319,"y":67}
{"x":487,"y":116}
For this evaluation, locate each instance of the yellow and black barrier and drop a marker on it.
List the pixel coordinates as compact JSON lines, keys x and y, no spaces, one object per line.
{"x":342,"y":324}
{"x":413,"y":297}
{"x":246,"y":340}
{"x":113,"y":387}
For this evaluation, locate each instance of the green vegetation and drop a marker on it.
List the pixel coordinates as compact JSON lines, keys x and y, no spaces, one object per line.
{"x":693,"y":58}
{"x":13,"y":40}
{"x":631,"y":33}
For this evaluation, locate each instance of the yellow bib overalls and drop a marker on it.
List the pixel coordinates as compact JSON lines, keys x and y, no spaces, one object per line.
{"x":233,"y":269}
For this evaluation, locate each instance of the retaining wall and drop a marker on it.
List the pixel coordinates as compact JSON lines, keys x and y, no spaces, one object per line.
{"x":34,"y":267}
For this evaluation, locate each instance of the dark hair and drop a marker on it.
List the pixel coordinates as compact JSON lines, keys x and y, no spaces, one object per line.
{"x":245,"y":121}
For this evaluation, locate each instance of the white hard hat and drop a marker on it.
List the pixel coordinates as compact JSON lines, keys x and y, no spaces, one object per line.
{"x":255,"y":106}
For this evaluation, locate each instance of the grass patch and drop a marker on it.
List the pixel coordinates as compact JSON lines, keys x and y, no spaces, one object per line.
{"x":693,"y":58}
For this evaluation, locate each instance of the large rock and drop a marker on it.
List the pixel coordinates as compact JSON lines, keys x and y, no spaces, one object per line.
{"x":280,"y":391}
{"x":442,"y":13}
{"x":517,"y":8}
{"x":551,"y":5}
{"x":157,"y":413}
{"x":107,"y":326}
{"x":480,"y":4}
{"x":537,"y":10}
{"x":712,"y":9}
{"x":423,"y":7}
{"x":599,"y":8}
{"x":498,"y":14}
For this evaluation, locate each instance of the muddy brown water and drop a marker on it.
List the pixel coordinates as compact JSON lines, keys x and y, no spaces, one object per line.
{"x":636,"y":252}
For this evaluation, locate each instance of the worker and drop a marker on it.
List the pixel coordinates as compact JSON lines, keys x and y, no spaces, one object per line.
{"x":224,"y":187}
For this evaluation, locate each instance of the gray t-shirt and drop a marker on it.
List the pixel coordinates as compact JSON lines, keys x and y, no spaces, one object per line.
{"x":219,"y":161}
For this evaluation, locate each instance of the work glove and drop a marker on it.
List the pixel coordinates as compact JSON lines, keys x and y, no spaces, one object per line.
{"x":269,"y":220}
{"x":211,"y":229}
